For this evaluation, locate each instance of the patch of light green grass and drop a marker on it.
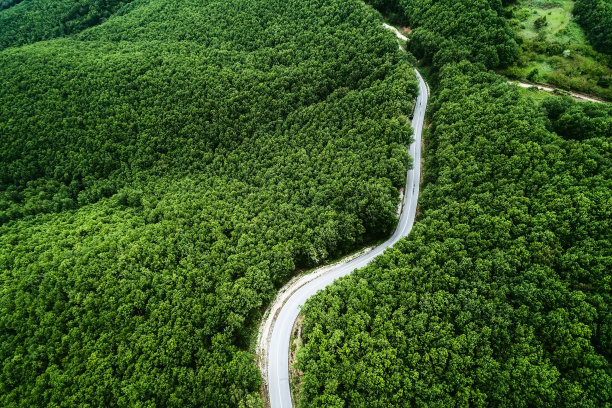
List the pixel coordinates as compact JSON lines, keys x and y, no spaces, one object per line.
{"x":558,"y":17}
{"x":534,"y":94}
{"x":558,"y":51}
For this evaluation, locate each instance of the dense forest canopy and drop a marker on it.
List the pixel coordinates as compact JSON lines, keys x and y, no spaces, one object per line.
{"x":162,"y":172}
{"x":501,"y":296}
{"x":595,"y":16}
{"x":450,"y":31}
{"x":28,"y":21}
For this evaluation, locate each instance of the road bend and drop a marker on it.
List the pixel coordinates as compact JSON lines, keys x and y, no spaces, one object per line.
{"x":278,"y":347}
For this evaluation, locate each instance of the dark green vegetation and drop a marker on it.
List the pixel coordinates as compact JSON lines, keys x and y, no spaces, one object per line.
{"x":555,"y":50}
{"x":4,"y":4}
{"x":502,"y":294}
{"x":595,"y":16}
{"x":28,"y":21}
{"x":589,"y":122}
{"x":447,"y":31}
{"x":162,"y":172}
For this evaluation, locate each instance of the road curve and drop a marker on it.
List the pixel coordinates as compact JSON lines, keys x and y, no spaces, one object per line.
{"x":396,"y":31}
{"x":278,"y":347}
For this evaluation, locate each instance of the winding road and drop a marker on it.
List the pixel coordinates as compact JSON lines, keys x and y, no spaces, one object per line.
{"x":279,"y":323}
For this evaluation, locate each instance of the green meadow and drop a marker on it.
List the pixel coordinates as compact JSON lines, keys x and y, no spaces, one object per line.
{"x":555,"y":50}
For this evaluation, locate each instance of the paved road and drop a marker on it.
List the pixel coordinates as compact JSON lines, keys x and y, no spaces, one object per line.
{"x":396,"y":31}
{"x":278,"y":351}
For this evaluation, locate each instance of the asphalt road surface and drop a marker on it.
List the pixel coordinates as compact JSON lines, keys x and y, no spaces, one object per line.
{"x":278,"y":351}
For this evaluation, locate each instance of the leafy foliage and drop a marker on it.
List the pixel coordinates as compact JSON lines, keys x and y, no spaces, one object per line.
{"x":555,"y":50}
{"x":162,"y":172}
{"x":595,"y":16}
{"x":579,"y":121}
{"x":4,"y":4}
{"x":450,"y":31}
{"x":501,"y":296}
{"x":28,"y":21}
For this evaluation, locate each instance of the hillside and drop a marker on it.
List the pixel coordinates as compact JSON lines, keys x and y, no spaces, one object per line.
{"x":165,"y":167}
{"x":595,"y":16}
{"x":501,"y":296}
{"x":29,"y":21}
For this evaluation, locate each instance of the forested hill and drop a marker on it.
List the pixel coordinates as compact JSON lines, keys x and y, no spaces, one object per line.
{"x":595,"y":16}
{"x":501,"y":296}
{"x":447,"y":31}
{"x":161,"y":172}
{"x":28,"y":21}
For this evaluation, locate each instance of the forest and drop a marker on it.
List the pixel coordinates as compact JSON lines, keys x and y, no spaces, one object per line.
{"x":595,"y":16}
{"x":29,"y":21}
{"x":448,"y":31}
{"x":165,"y":167}
{"x":501,"y":296}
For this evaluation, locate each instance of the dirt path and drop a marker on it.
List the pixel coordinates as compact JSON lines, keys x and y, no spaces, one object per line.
{"x":551,"y":89}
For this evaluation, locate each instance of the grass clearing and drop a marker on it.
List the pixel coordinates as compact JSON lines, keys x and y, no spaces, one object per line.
{"x":558,"y":16}
{"x":555,"y":49}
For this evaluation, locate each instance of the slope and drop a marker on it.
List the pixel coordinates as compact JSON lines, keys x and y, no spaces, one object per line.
{"x":501,"y":295}
{"x":162,"y":172}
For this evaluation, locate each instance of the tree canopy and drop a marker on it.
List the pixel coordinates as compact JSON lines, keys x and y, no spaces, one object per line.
{"x":164,"y":171}
{"x":29,"y":21}
{"x":595,"y":17}
{"x":447,"y":31}
{"x":501,"y":295}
